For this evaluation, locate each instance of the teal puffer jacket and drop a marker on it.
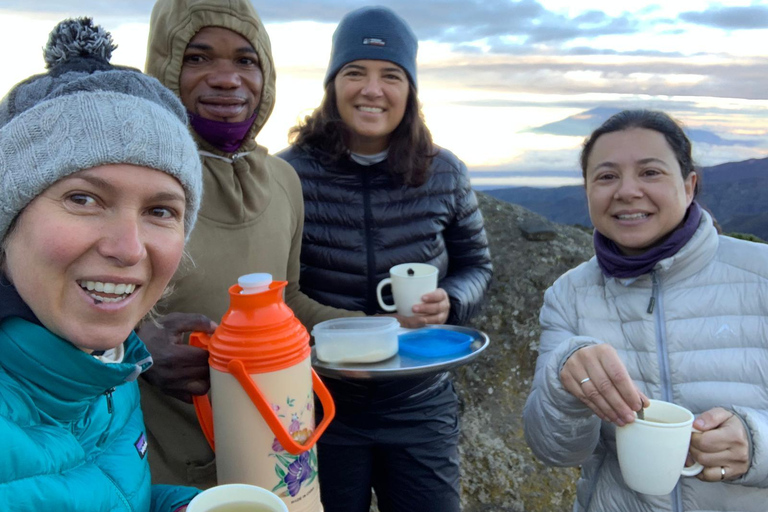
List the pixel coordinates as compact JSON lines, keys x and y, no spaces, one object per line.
{"x":72,"y":431}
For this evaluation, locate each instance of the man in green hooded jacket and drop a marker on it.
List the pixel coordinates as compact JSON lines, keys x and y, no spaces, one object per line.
{"x":216,"y":57}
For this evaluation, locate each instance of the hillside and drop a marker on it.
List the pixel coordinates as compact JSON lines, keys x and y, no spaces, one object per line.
{"x":734,"y":192}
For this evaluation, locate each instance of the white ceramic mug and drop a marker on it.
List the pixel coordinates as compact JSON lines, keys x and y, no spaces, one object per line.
{"x":409,"y":282}
{"x":652,"y":451}
{"x":235,"y":498}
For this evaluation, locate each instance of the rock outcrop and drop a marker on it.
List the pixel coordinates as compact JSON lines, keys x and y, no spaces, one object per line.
{"x":499,"y":472}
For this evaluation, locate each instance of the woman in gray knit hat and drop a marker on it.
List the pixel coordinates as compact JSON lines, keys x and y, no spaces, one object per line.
{"x":378,"y":193}
{"x":100,"y":184}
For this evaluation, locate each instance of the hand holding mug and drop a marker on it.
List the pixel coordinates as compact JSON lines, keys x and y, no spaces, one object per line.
{"x":434,"y":308}
{"x":597,"y":376}
{"x":722,"y":447}
{"x":411,"y":283}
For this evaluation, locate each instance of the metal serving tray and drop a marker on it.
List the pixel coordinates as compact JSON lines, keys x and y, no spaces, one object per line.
{"x":404,"y":365}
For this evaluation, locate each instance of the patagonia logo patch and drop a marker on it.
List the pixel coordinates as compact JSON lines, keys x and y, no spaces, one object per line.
{"x":141,"y":445}
{"x":374,"y":41}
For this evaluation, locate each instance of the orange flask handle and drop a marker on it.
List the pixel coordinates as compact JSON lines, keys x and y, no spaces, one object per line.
{"x":237,"y":369}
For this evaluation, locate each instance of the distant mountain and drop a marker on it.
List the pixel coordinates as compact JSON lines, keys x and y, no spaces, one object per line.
{"x":565,"y":205}
{"x":750,"y":224}
{"x":735,"y":192}
{"x":585,"y":122}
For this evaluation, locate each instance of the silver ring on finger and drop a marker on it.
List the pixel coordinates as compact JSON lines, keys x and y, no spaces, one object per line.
{"x":722,"y":473}
{"x":584,"y":380}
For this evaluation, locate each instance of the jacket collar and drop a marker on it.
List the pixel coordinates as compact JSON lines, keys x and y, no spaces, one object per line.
{"x":11,"y":303}
{"x":63,"y":380}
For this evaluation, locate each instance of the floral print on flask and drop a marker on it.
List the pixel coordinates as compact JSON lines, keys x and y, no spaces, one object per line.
{"x":295,"y":471}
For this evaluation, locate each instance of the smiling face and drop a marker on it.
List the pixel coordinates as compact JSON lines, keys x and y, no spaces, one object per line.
{"x":220,"y":76}
{"x":635,"y":188}
{"x":93,"y":253}
{"x":371,"y":96}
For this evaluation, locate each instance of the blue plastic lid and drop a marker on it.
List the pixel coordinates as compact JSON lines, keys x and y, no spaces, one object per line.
{"x":433,"y":342}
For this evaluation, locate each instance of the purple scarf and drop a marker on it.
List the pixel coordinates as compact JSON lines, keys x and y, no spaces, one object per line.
{"x":227,"y":137}
{"x":615,"y":264}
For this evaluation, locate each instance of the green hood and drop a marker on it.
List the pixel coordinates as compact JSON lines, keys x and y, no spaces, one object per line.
{"x":175,"y":22}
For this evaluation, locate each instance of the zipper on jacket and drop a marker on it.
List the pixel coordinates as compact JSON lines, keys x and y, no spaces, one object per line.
{"x":663,"y":352}
{"x":371,"y":301}
{"x":119,"y":491}
{"x":651,"y":303}
{"x":110,"y":411}
{"x":110,"y":403}
{"x":661,"y":337}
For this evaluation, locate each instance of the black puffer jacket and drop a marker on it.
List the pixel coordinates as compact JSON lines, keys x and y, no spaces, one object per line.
{"x":360,"y":221}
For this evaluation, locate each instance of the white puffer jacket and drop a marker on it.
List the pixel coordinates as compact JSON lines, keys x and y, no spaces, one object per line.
{"x":703,"y":344}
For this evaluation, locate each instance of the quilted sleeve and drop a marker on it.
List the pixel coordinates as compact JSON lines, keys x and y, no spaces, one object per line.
{"x":169,"y":498}
{"x":560,"y":430}
{"x":469,"y":260}
{"x":36,"y":460}
{"x":756,"y":423}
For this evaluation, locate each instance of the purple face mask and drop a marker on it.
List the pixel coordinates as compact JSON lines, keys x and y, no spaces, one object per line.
{"x":227,"y":137}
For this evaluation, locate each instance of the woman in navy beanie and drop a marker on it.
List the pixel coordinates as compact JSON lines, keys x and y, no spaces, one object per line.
{"x":378,"y":193}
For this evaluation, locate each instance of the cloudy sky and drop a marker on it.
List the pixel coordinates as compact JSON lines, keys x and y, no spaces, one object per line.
{"x":511,"y":86}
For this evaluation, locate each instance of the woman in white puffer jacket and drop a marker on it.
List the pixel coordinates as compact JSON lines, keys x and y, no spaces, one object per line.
{"x":668,"y":309}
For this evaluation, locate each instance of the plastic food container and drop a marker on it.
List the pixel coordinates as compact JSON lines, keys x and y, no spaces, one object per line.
{"x":356,"y":340}
{"x":434,"y":343}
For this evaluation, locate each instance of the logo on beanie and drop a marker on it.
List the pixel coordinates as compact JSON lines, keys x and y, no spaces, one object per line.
{"x":374,"y":41}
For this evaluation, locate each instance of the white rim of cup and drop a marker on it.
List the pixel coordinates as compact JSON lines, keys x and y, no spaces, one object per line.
{"x":658,"y":424}
{"x":225,"y":490}
{"x":401,"y":269}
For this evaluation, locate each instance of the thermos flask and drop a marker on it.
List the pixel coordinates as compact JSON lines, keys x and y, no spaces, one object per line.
{"x":260,"y":417}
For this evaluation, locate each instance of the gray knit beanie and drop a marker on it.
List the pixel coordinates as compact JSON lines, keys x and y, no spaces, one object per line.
{"x":374,"y":33}
{"x":84,"y":113}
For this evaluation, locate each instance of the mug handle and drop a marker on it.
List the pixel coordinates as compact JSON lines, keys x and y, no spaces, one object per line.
{"x":386,"y":307}
{"x":695,"y":468}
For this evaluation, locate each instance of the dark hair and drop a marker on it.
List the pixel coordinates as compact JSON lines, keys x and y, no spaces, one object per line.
{"x":3,"y":257}
{"x":649,"y":120}
{"x":410,"y":146}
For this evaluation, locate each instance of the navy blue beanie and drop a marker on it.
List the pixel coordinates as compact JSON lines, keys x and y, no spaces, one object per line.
{"x":373,"y":33}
